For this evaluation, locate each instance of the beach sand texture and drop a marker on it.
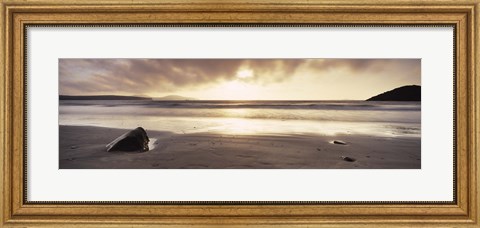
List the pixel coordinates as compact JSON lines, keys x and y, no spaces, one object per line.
{"x":83,"y":147}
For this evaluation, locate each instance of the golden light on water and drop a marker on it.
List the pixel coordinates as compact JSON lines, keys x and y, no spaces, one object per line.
{"x":236,"y":112}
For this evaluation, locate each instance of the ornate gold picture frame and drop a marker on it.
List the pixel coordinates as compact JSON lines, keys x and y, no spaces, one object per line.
{"x":18,"y":211}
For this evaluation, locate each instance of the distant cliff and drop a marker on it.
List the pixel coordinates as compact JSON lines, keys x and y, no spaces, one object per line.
{"x":404,"y":93}
{"x":102,"y":97}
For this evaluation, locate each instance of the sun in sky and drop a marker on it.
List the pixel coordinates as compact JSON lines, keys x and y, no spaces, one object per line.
{"x":245,"y":73}
{"x":237,"y":88}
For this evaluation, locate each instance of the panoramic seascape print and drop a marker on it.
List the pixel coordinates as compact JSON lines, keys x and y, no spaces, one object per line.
{"x":239,"y":113}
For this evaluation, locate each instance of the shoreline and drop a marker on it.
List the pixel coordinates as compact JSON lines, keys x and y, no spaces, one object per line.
{"x":83,"y":147}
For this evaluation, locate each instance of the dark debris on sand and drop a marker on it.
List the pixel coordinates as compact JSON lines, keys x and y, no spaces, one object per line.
{"x":339,"y":142}
{"x":348,"y":159}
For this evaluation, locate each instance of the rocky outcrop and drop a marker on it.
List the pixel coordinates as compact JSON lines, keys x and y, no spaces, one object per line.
{"x":134,"y":140}
{"x":404,"y":93}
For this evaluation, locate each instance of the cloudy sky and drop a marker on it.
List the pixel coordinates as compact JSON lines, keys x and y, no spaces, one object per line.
{"x":238,"y":79}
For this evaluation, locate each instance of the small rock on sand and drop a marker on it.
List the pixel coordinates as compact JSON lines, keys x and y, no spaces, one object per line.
{"x":348,"y":159}
{"x":339,"y":142}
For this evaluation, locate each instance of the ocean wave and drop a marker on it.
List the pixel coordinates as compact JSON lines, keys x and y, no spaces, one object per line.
{"x":307,"y":105}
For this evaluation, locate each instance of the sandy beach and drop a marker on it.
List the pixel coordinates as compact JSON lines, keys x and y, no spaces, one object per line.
{"x":83,"y":147}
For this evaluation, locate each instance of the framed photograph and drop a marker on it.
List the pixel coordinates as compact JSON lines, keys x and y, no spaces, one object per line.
{"x":241,"y":113}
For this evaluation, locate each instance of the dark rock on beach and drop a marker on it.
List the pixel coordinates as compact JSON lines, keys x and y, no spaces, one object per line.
{"x":339,"y":142}
{"x":134,"y":140}
{"x":348,"y":159}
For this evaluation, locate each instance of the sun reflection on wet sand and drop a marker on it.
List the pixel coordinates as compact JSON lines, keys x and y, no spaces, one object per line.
{"x":246,"y":126}
{"x":238,"y":126}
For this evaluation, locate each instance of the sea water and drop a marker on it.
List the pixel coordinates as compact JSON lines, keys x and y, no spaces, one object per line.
{"x":390,"y":119}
